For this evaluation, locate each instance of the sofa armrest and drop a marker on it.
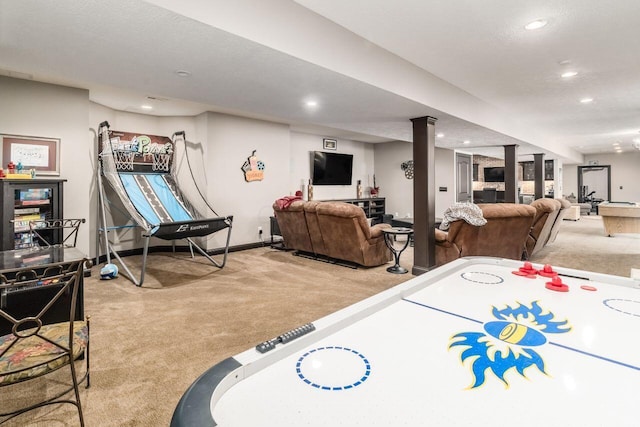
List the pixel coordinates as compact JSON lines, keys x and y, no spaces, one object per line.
{"x":441,"y":236}
{"x":376,"y":230}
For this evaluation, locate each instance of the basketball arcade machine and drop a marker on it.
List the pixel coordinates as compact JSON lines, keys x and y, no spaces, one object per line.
{"x":141,"y":171}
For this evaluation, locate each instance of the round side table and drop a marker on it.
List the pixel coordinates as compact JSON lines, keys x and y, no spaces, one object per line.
{"x":390,"y":235}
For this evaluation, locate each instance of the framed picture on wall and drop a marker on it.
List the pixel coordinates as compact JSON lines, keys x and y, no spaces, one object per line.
{"x":32,"y":152}
{"x":329,"y":144}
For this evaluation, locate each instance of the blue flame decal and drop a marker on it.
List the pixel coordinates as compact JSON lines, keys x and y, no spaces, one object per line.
{"x":534,"y":315}
{"x":487,"y":356}
{"x":504,"y":346}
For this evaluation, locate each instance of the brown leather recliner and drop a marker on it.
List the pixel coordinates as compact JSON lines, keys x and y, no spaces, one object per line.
{"x":504,"y":235}
{"x":293,"y":226}
{"x":564,"y":209}
{"x":347,"y":235}
{"x":546,"y":213}
{"x":313,"y":226}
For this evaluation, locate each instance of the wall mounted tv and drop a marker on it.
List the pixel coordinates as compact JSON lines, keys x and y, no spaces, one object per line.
{"x":494,"y":174}
{"x":332,"y":168}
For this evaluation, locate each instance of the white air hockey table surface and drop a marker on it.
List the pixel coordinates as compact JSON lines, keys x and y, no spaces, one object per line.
{"x":469,"y":343}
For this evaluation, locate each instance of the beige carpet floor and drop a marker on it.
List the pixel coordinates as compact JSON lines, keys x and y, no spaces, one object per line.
{"x":583,"y":245}
{"x":149,"y":344}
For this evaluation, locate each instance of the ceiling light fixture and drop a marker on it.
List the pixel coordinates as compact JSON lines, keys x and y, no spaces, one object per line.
{"x":146,"y":107}
{"x":466,"y":141}
{"x":569,"y":74}
{"x":311,"y":103}
{"x":586,"y":100}
{"x":535,"y":25}
{"x":440,"y":135}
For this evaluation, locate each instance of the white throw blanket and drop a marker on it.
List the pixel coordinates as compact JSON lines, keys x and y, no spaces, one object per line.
{"x":469,"y":212}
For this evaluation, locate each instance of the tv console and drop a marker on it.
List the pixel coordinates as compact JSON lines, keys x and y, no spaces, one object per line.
{"x":373,"y":207}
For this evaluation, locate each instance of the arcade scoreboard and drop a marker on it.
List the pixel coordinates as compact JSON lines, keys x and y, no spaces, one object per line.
{"x":479,"y":341}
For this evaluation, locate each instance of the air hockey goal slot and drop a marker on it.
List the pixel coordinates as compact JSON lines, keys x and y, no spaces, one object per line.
{"x":286,"y":337}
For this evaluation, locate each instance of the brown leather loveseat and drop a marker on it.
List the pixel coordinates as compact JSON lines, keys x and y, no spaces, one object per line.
{"x":504,"y":235}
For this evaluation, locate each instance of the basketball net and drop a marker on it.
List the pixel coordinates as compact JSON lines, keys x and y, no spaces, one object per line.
{"x":161,"y":162}
{"x":124,"y":160}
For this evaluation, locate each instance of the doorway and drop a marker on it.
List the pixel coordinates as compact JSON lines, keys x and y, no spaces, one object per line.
{"x":594,"y":184}
{"x":464,"y":175}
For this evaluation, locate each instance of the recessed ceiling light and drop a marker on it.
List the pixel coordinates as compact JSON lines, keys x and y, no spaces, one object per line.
{"x":466,"y":141}
{"x":311,"y":103}
{"x":440,"y":135}
{"x":146,"y":107}
{"x":616,"y":143}
{"x":183,"y":73}
{"x":535,"y":25}
{"x":586,"y":100}
{"x":569,"y":74}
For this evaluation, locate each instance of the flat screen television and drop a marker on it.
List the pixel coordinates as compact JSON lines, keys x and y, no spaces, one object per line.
{"x":494,"y":174}
{"x":332,"y":168}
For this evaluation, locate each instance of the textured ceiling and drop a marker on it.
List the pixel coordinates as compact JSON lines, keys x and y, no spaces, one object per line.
{"x":483,"y":48}
{"x":127,"y":54}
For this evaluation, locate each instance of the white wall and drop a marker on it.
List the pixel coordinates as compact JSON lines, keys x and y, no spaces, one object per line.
{"x":625,"y":173}
{"x":570,"y":180}
{"x":230,"y":141}
{"x":302,"y":145}
{"x":43,"y":110}
{"x":398,"y":190}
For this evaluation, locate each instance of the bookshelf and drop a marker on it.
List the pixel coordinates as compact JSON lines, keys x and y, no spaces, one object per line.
{"x":373,"y":207}
{"x":24,"y":200}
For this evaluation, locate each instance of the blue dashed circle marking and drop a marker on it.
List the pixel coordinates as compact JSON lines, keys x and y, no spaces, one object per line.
{"x":608,"y":305}
{"x":359,"y":381}
{"x":492,"y":279}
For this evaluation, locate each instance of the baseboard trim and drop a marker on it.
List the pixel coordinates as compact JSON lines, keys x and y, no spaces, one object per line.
{"x":180,"y":248}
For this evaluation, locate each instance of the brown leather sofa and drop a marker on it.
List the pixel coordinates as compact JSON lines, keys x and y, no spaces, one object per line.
{"x":336,"y":230}
{"x":547,"y":211}
{"x":504,"y":235}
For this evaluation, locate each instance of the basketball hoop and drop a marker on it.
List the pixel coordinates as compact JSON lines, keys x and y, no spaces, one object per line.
{"x":124,"y":160}
{"x":161,"y":162}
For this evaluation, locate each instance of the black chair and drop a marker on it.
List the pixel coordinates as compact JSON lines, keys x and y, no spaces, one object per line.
{"x":489,"y":195}
{"x":34,"y":348}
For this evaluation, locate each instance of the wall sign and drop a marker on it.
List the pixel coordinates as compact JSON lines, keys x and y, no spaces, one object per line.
{"x":253,"y":168}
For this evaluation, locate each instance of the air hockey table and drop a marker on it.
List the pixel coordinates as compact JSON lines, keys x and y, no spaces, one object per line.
{"x":478,"y":341}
